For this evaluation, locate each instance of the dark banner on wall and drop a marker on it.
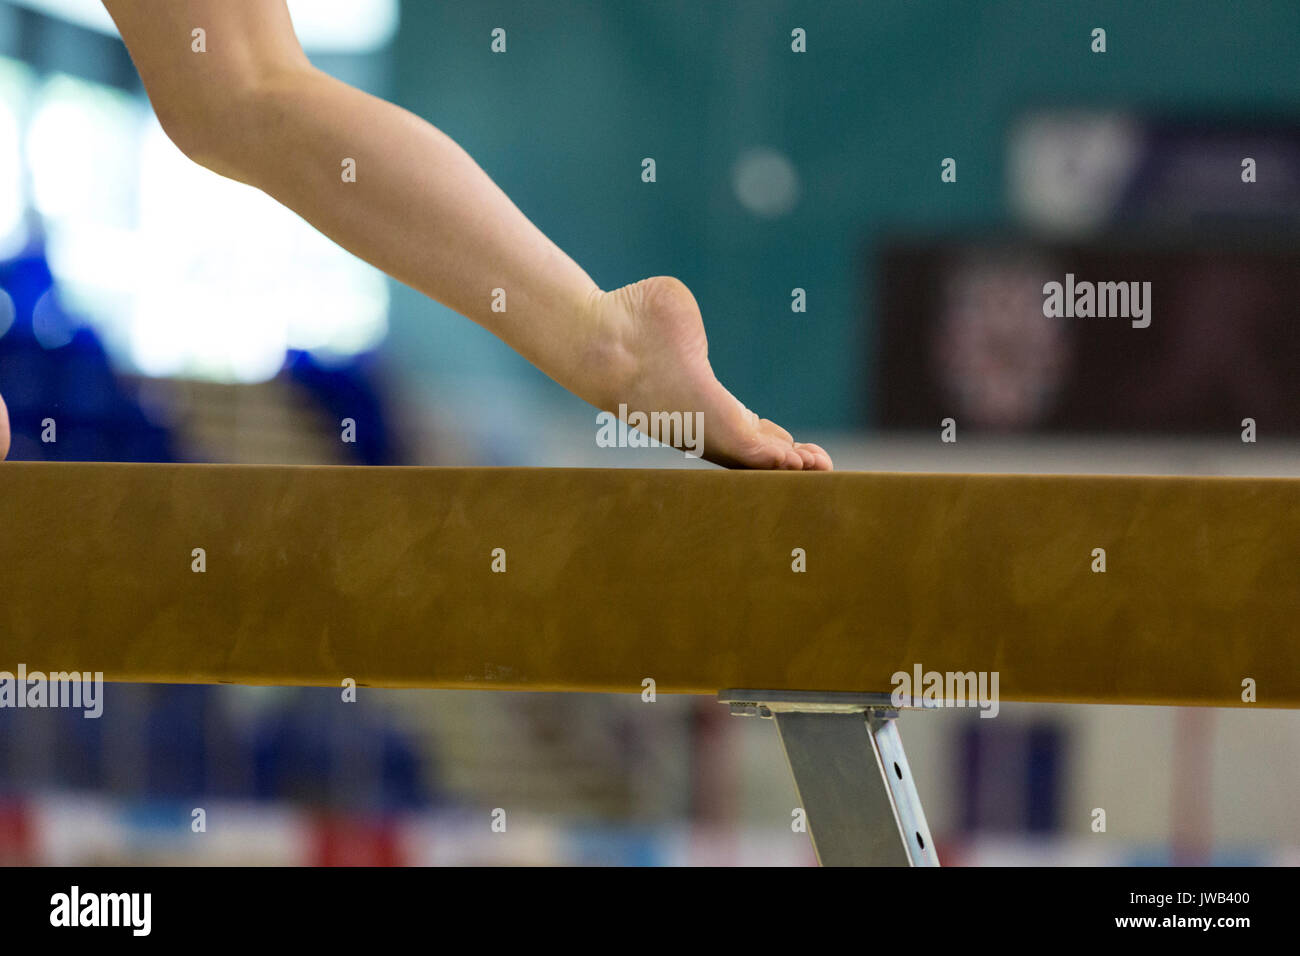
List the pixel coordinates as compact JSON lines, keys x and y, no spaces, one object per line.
{"x":1099,"y":337}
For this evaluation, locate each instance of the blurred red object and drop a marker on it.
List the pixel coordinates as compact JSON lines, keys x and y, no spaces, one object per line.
{"x":16,"y":846}
{"x":351,"y":841}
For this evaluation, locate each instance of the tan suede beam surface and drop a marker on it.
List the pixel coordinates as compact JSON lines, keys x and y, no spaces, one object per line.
{"x":386,"y":576}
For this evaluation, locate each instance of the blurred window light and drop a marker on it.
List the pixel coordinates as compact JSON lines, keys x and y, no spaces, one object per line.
{"x":82,"y":149}
{"x":81,"y":152}
{"x":235,"y":279}
{"x":766,"y":183}
{"x":1068,"y":171}
{"x":182,"y":272}
{"x":326,"y":26}
{"x":345,"y":26}
{"x":15,"y":90}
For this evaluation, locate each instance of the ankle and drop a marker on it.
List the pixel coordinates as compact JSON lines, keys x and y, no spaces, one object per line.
{"x":611,"y":352}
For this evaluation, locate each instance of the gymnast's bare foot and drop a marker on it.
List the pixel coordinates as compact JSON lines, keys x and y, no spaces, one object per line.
{"x":659,"y":359}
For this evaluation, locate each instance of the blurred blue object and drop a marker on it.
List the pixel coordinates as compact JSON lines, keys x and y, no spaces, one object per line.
{"x":95,"y":418}
{"x":348,"y":390}
{"x":181,"y":742}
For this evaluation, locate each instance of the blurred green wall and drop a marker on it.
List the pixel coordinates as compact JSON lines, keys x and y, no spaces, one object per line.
{"x":886,"y":90}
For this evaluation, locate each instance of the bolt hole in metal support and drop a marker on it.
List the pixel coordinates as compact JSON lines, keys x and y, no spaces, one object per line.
{"x":840,"y":748}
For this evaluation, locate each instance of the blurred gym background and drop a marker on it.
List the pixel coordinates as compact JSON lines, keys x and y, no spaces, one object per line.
{"x":160,"y":313}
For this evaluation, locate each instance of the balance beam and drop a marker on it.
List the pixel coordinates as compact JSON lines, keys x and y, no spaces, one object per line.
{"x":385,"y":575}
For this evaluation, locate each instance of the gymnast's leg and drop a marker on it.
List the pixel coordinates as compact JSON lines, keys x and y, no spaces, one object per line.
{"x":253,"y":108}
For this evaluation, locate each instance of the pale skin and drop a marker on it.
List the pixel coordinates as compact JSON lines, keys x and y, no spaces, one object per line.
{"x":254,"y":109}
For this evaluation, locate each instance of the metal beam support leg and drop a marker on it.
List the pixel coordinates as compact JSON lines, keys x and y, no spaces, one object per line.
{"x":851,"y":773}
